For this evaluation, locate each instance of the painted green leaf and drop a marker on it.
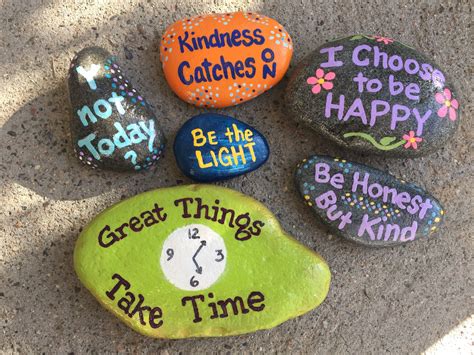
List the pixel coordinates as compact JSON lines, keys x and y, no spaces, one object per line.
{"x":197,"y":261}
{"x":353,"y":38}
{"x":387,"y":140}
{"x":385,"y":143}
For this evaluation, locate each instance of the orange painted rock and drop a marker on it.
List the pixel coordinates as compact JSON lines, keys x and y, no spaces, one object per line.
{"x":222,"y":60}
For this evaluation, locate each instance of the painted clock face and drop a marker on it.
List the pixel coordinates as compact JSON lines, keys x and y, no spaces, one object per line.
{"x":193,"y":257}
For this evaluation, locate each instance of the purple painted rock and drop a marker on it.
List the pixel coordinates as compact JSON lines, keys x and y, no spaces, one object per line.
{"x":375,"y":95}
{"x":366,"y":205}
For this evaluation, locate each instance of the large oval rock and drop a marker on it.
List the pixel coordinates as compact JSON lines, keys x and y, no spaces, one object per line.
{"x":221,"y":60}
{"x":212,"y":147}
{"x":375,"y":95}
{"x":112,"y":125}
{"x":197,"y":261}
{"x":366,"y":205}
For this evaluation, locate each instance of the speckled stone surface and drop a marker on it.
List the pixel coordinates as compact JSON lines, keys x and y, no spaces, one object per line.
{"x":112,"y":125}
{"x":375,"y":95}
{"x":399,"y":300}
{"x":366,"y":205}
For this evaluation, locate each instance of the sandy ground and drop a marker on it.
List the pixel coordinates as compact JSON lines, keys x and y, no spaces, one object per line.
{"x":400,"y":300}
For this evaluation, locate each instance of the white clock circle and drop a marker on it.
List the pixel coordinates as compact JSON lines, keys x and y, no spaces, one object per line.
{"x":193,"y":257}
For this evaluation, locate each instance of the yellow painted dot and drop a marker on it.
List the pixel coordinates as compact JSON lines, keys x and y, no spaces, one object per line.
{"x":389,"y":215}
{"x":433,"y":228}
{"x":437,"y":219}
{"x":376,"y":212}
{"x":304,"y":160}
{"x":397,"y":211}
{"x":348,"y":194}
{"x":363,"y":207}
{"x":442,"y":212}
{"x":336,"y":159}
{"x":361,"y":198}
{"x":384,"y":206}
{"x":352,"y":203}
{"x":306,"y":197}
{"x":310,"y":204}
{"x":372,"y":203}
{"x":344,"y":160}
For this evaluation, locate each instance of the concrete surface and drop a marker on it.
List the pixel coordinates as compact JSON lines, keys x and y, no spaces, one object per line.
{"x":400,"y":300}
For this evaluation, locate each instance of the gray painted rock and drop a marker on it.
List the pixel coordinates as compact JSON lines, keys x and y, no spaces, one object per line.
{"x":112,"y":125}
{"x":366,"y":205}
{"x":374,"y":95}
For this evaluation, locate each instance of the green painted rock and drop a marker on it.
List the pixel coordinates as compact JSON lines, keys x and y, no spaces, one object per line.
{"x":195,"y":261}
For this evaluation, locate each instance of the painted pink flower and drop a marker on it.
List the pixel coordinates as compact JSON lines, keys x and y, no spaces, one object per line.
{"x":385,"y":40}
{"x":411,"y":140}
{"x":321,"y":80}
{"x":449,"y":105}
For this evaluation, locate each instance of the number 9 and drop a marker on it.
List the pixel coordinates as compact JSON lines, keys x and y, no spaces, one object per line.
{"x":170,"y":253}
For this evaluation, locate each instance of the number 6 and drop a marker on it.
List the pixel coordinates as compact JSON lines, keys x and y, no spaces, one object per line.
{"x":193,"y":282}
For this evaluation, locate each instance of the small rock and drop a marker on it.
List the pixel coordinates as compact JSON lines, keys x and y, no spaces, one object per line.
{"x":113,"y":127}
{"x":212,"y":147}
{"x":128,"y":53}
{"x":375,"y":95}
{"x":197,"y":260}
{"x":366,"y":205}
{"x":222,"y":60}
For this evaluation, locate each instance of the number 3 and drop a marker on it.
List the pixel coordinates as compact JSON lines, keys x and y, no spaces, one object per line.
{"x":220,"y":256}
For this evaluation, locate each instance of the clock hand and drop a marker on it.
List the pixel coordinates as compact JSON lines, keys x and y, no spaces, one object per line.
{"x":198,"y":268}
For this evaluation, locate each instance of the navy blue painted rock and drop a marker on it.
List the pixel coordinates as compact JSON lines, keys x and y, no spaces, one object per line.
{"x":212,"y":147}
{"x":366,"y":205}
{"x":112,"y":125}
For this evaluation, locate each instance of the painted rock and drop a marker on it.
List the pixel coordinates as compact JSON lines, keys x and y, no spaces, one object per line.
{"x":366,"y":205}
{"x":212,"y":147}
{"x":197,"y":261}
{"x":112,"y":125}
{"x":375,"y":95}
{"x":221,"y":60}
